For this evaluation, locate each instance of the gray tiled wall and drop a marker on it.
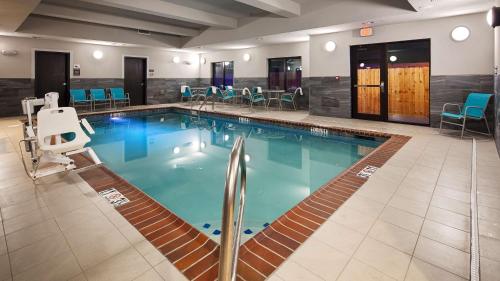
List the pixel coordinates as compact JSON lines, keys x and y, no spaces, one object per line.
{"x":332,"y":97}
{"x":162,"y":90}
{"x":88,"y":83}
{"x":455,"y":88}
{"x":12,"y":91}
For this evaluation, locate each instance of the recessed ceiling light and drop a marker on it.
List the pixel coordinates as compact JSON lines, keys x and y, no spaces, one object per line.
{"x":393,"y":58}
{"x":176,"y":59}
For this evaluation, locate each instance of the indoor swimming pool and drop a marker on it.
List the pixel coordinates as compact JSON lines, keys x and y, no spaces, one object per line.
{"x":180,"y":160}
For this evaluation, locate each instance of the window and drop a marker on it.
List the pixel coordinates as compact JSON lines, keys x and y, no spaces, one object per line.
{"x":222,"y":73}
{"x":285,"y":73}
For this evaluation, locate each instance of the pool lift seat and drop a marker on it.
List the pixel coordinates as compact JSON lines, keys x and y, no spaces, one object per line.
{"x":47,"y":146}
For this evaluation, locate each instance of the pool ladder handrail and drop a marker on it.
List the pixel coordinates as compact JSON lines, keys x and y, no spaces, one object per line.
{"x":230,"y":241}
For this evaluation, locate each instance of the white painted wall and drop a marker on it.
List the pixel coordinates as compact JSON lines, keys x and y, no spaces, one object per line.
{"x":257,"y":66}
{"x":474,"y":56}
{"x":110,"y":66}
{"x":497,"y":43}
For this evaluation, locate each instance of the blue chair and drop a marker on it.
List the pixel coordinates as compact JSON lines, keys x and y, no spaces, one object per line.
{"x":225,"y":95}
{"x":186,"y":93}
{"x":209,"y":92}
{"x":290,"y":98}
{"x":474,"y":108}
{"x":118,"y":95}
{"x":99,"y":96}
{"x":79,"y":97}
{"x":254,"y":96}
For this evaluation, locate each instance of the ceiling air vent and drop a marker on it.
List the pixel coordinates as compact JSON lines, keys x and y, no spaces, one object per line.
{"x":144,"y":32}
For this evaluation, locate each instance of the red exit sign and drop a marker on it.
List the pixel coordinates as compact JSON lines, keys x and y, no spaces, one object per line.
{"x":366,"y":31}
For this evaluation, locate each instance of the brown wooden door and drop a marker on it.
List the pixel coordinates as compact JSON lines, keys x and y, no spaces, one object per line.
{"x":368,"y":72}
{"x":135,"y":80}
{"x":52,"y":75}
{"x":390,"y":81}
{"x":408,"y":81}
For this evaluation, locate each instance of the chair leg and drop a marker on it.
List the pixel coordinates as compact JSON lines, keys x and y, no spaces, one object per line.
{"x":294,"y":106}
{"x":487,"y":126}
{"x":463,"y":128}
{"x":441,"y":125}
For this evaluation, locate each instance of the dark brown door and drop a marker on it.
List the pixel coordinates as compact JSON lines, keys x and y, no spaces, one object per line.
{"x":52,"y":75}
{"x":135,"y":80}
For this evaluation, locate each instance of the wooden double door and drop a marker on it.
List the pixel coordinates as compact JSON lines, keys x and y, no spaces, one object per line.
{"x":390,"y":81}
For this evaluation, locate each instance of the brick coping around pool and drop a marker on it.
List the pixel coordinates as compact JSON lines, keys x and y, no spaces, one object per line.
{"x":197,"y":256}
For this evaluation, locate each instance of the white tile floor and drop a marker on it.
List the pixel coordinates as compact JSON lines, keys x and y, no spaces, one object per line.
{"x":410,"y":221}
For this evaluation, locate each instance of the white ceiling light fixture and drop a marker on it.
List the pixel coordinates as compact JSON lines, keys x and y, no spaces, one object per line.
{"x":460,"y":33}
{"x":330,"y":46}
{"x":203,"y":60}
{"x":176,"y":59}
{"x":393,"y":58}
{"x":246,"y":57}
{"x":97,"y":54}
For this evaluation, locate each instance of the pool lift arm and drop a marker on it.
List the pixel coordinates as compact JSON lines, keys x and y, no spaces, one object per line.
{"x":44,"y":141}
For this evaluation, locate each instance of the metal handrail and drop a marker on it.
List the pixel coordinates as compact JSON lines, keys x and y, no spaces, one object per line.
{"x":230,"y":243}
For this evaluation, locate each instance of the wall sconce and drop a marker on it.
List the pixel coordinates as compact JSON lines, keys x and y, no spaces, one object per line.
{"x":493,"y":17}
{"x":97,"y":54}
{"x":330,"y":46}
{"x":203,"y":60}
{"x":176,"y":59}
{"x":246,"y":57}
{"x":460,"y":33}
{"x":9,"y":53}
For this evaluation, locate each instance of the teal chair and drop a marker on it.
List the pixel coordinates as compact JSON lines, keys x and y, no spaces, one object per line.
{"x":290,"y":98}
{"x":78,"y":97}
{"x":118,"y":95}
{"x":474,"y":108}
{"x":209,"y":92}
{"x":98,"y":96}
{"x":187,"y":93}
{"x":225,"y":95}
{"x":254,"y":96}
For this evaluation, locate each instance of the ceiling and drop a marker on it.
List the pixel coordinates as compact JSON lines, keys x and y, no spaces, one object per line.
{"x":211,"y":24}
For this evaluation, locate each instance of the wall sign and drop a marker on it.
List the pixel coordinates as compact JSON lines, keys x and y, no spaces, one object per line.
{"x":76,"y":70}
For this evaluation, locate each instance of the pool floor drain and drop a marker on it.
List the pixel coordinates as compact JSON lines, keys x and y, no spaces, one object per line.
{"x":114,"y":197}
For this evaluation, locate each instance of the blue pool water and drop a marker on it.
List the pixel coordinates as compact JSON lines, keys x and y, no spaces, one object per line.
{"x":181,"y":161}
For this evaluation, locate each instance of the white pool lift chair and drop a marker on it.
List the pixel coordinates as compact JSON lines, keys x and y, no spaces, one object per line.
{"x":47,"y":146}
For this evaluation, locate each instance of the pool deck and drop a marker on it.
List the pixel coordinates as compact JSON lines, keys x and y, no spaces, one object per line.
{"x":409,"y":221}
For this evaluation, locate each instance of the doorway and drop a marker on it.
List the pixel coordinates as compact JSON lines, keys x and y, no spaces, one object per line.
{"x":52,"y":74}
{"x":390,"y":81}
{"x":284,"y":73}
{"x":222,"y":74}
{"x":135,"y":75}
